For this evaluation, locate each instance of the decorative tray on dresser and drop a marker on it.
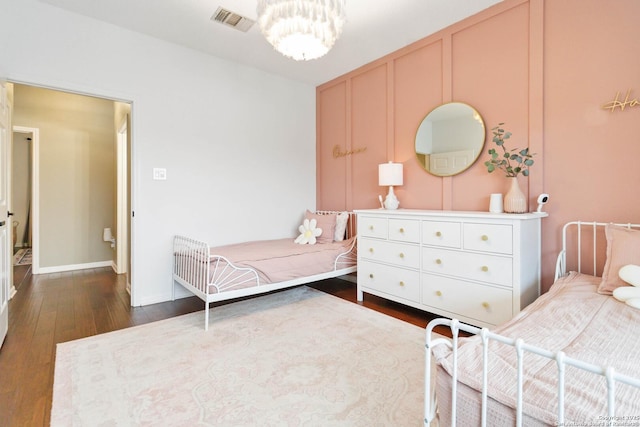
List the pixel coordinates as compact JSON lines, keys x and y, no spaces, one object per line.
{"x":479,"y":267}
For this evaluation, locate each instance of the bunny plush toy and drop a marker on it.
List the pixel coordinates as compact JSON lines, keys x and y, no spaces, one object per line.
{"x":629,"y":294}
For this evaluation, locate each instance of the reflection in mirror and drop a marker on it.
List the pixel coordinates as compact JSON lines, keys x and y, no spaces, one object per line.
{"x":450,"y":139}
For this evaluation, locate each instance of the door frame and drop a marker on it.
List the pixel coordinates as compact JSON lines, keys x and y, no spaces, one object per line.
{"x":96,"y":92}
{"x":35,"y":193}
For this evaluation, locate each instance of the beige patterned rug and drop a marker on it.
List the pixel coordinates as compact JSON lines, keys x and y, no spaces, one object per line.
{"x":293,"y":358}
{"x":22,"y":257}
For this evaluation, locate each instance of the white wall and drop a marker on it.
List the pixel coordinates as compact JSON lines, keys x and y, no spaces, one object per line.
{"x":238,"y":144}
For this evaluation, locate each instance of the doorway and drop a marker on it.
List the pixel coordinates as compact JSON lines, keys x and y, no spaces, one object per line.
{"x":75,"y":177}
{"x":22,"y":200}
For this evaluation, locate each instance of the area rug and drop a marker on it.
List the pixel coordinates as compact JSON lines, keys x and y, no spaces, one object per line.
{"x":297,"y":357}
{"x":22,"y":257}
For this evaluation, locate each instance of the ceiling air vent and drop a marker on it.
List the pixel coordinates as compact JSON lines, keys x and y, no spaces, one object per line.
{"x":232,"y":19}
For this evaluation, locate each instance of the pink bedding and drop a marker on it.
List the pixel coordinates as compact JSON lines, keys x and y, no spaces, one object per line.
{"x":282,"y":259}
{"x":571,"y":317}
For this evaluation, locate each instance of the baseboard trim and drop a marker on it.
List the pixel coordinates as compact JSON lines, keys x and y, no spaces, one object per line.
{"x":154,"y":299}
{"x":72,"y":267}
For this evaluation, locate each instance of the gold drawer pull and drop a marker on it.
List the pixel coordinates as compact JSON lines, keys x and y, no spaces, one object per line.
{"x":438,"y":234}
{"x":401,"y":283}
{"x":401,"y":230}
{"x":484,"y":268}
{"x":438,"y":293}
{"x":485,"y":305}
{"x":438,"y":261}
{"x":401,"y":255}
{"x":371,"y":227}
{"x":484,"y":237}
{"x":370,"y":275}
{"x":371,"y":250}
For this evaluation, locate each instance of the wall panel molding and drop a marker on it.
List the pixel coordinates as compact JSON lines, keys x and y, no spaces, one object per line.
{"x":469,"y":50}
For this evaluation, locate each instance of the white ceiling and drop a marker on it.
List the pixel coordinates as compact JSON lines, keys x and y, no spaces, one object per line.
{"x":374,"y":28}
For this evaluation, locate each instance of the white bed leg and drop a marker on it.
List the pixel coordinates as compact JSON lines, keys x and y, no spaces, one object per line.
{"x":206,"y":316}
{"x":359,"y":295}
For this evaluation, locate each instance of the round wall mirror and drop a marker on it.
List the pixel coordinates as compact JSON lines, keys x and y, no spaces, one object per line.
{"x":450,"y":139}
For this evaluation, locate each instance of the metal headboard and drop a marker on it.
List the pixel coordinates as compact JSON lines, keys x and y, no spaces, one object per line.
{"x":578,"y":229}
{"x":351,"y":223}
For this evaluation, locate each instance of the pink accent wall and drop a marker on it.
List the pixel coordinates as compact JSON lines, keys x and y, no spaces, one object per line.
{"x":369,"y":127}
{"x":543,"y":68}
{"x":590,"y":53}
{"x":332,"y":171}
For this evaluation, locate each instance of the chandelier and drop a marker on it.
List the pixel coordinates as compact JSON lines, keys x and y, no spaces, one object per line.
{"x":301,"y":29}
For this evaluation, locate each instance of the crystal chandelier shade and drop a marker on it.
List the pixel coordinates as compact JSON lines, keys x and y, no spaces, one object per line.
{"x":301,"y":29}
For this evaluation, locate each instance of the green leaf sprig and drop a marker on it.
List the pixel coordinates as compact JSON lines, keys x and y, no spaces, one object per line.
{"x":511,"y":162}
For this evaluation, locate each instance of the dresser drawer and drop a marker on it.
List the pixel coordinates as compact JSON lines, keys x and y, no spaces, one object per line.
{"x":494,"y":238}
{"x":373,"y":227}
{"x":473,"y":300}
{"x":390,"y":280}
{"x":404,"y":230}
{"x":441,"y":233}
{"x":399,"y":254}
{"x":486,"y":268}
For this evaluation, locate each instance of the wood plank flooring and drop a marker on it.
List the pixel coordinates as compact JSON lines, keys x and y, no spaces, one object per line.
{"x":54,"y":308}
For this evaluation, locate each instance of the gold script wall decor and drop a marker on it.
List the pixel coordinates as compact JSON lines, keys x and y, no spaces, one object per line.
{"x":337,"y":151}
{"x":617,"y":103}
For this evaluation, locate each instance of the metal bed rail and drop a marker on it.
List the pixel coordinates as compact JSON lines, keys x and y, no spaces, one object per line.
{"x":351,"y":222}
{"x":216,"y":278}
{"x":520,"y":348}
{"x":191,"y":262}
{"x":574,"y":241}
{"x":576,"y":230}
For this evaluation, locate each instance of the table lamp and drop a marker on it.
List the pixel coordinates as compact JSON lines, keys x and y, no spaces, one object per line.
{"x":390,"y":174}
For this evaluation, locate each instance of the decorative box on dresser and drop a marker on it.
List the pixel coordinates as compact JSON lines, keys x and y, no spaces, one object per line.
{"x":479,"y":267}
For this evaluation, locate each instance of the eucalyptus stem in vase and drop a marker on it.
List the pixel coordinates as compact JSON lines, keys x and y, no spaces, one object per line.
{"x":512,"y":163}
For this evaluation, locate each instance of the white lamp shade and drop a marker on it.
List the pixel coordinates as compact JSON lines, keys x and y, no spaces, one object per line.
{"x":390,"y":174}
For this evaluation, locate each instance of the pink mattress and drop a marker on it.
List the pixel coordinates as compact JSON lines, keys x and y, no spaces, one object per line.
{"x":281,"y":260}
{"x":571,"y":317}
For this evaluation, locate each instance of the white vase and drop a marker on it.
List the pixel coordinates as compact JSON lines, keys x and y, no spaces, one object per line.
{"x":495,"y":203}
{"x":515,"y":201}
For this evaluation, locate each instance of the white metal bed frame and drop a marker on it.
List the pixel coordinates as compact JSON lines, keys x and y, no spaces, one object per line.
{"x":561,"y":359}
{"x":197,"y":270}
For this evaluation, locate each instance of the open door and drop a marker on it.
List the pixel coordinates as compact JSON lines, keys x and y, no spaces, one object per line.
{"x":6,"y":244}
{"x":122,"y":195}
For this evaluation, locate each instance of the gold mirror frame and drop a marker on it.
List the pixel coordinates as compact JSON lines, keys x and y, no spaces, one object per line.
{"x":450,"y":139}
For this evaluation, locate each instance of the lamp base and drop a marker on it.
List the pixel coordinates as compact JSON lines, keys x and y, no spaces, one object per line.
{"x":391,"y":201}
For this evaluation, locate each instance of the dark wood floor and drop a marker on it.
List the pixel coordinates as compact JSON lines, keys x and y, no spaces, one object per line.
{"x":53,"y":308}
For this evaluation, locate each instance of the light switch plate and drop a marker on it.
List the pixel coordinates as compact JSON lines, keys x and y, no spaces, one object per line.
{"x":159,"y":174}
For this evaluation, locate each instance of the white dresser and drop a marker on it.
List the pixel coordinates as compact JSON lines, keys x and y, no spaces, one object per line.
{"x":481,"y":268}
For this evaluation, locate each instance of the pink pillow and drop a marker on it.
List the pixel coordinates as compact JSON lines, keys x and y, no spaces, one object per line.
{"x":623,"y":247}
{"x":326,"y":222}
